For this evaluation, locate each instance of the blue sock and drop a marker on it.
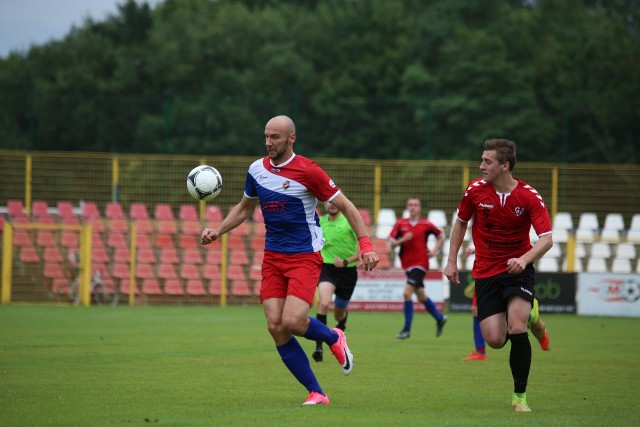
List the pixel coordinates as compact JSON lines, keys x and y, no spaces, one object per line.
{"x":297,"y":362}
{"x":431,"y":308}
{"x":318,"y":331}
{"x":408,"y":315}
{"x":477,"y":336}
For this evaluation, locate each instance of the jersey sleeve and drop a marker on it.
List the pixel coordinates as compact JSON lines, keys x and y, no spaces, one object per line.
{"x":540,"y":219}
{"x":394,"y":234}
{"x":466,"y":209}
{"x":320,"y":184}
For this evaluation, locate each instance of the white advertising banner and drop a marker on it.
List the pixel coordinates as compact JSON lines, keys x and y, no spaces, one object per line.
{"x":608,"y":294}
{"x":381,"y":290}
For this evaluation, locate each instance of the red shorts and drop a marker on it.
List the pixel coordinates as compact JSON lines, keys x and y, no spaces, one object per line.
{"x":290,"y":274}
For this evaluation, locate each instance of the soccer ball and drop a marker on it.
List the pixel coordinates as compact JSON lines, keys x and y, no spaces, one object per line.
{"x":204,"y":183}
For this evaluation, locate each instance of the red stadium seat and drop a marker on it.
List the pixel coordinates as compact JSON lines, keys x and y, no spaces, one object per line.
{"x":71,"y":220}
{"x":45,"y":238}
{"x":215,"y":287}
{"x":366,"y":216}
{"x":138,"y":211}
{"x":143,"y":226}
{"x":28,"y":255}
{"x":97,"y":225}
{"x":21,"y":238}
{"x":53,"y":270}
{"x":60,"y":286}
{"x":167,"y":271}
{"x":257,"y":258}
{"x":195,"y":287}
{"x":236,"y":242}
{"x":192,"y":256}
{"x":255,"y":273}
{"x":163,"y":211}
{"x":151,"y":287}
{"x":173,"y":287}
{"x":15,"y":209}
{"x":144,"y":271}
{"x":121,"y":255}
{"x":189,"y":271}
{"x":52,"y":254}
{"x":99,"y":254}
{"x":257,"y":243}
{"x":114,"y":211}
{"x":143,"y":241}
{"x":40,"y":208}
{"x":164,"y":241}
{"x":169,"y":256}
{"x":239,"y":257}
{"x":118,"y":225}
{"x":70,"y":239}
{"x":256,"y":287}
{"x":211,"y":271}
{"x":120,"y":270}
{"x":241,"y":230}
{"x":188,"y":213}
{"x":236,"y":272}
{"x":188,"y":241}
{"x":191,"y":227}
{"x":65,"y":209}
{"x":213,"y":213}
{"x":145,"y":256}
{"x":125,"y":287}
{"x":214,"y":255}
{"x":240,"y":288}
{"x":116,"y":240}
{"x":90,"y":210}
{"x":166,"y":226}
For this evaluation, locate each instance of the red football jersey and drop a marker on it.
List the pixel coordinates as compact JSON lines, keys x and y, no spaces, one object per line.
{"x":501,"y":223}
{"x":414,"y":252}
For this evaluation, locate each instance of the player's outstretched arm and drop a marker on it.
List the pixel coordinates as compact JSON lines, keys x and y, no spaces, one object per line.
{"x":237,"y":215}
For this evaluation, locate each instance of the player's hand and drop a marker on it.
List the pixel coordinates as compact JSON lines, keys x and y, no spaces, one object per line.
{"x":452,"y":273}
{"x":516,"y":265}
{"x":337,"y":262}
{"x":368,"y":260}
{"x":407,"y":236}
{"x":209,"y":235}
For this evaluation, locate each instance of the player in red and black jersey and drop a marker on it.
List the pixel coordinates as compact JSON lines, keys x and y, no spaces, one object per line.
{"x":503,"y":209}
{"x":411,"y":234}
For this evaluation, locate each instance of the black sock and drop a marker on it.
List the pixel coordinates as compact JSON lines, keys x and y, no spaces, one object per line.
{"x":322,"y":318}
{"x":520,"y":361}
{"x":343,"y":323}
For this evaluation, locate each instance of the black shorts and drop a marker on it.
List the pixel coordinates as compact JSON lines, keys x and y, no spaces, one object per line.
{"x":344,"y":279}
{"x":415,"y":277}
{"x":494,"y":292}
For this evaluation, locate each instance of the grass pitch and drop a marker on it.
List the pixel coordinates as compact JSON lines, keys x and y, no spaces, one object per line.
{"x":183,"y":366}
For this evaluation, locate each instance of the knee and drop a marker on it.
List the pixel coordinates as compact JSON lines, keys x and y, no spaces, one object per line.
{"x":324,"y":307}
{"x":295,"y":325}
{"x":406,"y":295}
{"x":275,"y":328}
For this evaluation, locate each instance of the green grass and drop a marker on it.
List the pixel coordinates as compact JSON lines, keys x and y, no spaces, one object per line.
{"x":77,"y":366}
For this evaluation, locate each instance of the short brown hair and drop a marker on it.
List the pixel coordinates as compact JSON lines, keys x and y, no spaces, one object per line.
{"x":505,"y":150}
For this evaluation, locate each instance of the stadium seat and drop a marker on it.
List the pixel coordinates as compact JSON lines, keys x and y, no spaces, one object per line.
{"x":191,"y":227}
{"x":21,"y":238}
{"x":121,"y":254}
{"x":188,"y":212}
{"x":65,"y":209}
{"x":99,"y":254}
{"x":89,"y":210}
{"x":577,"y":265}
{"x":610,"y":235}
{"x":213,"y":213}
{"x":600,"y":250}
{"x":52,"y":254}
{"x":167,"y":271}
{"x":240,"y":288}
{"x":53,"y":270}
{"x":613,"y":221}
{"x":257,"y":215}
{"x":120,"y":270}
{"x":236,"y":242}
{"x":366,"y":216}
{"x":633,"y":236}
{"x":114,"y":211}
{"x":256,"y":287}
{"x":164,"y":241}
{"x":169,"y":256}
{"x":97,"y":225}
{"x":635,"y":222}
{"x":548,"y":264}
{"x":163,"y":211}
{"x":45,"y":238}
{"x":195,"y":287}
{"x":384,"y":262}
{"x":214,"y":287}
{"x":189,"y":271}
{"x":138,"y":211}
{"x":125,"y":287}
{"x":554,"y":252}
{"x":214,"y":255}
{"x":619,"y":265}
{"x":143,"y":226}
{"x":382,"y":231}
{"x":60,"y":286}
{"x":145,"y":256}
{"x":257,"y":258}
{"x":192,"y":256}
{"x":625,"y":251}
{"x":580,"y":251}
{"x":596,"y":265}
{"x":563,"y":221}
{"x":588,"y":221}
{"x":143,"y":241}
{"x":188,"y":241}
{"x":211,"y":271}
{"x":71,"y":220}
{"x":173,"y":287}
{"x":238,"y":257}
{"x":585,"y":235}
{"x":40,"y":208}
{"x":15,"y":209}
{"x":144,"y":271}
{"x":257,"y":243}
{"x":255,"y":273}
{"x":438,"y":218}
{"x":560,"y":236}
{"x":468,"y":262}
{"x":166,"y":226}
{"x":241,"y":230}
{"x":151,"y":287}
{"x":116,"y":240}
{"x":118,"y":225}
{"x":386,"y":217}
{"x":236,"y":272}
{"x":28,"y":255}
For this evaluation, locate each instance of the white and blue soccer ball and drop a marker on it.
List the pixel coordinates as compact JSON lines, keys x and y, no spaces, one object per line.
{"x":204,"y":182}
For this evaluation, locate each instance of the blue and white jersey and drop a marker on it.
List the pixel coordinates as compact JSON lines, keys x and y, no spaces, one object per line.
{"x":288,"y":195}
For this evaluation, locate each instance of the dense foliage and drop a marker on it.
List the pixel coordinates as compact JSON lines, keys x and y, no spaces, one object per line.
{"x":385,"y":79}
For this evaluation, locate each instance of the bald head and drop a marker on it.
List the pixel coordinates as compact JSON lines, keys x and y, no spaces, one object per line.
{"x":283,"y":123}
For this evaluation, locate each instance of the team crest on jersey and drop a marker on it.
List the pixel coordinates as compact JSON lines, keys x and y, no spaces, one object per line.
{"x":519,"y":211}
{"x":331,"y":183}
{"x":286,"y":184}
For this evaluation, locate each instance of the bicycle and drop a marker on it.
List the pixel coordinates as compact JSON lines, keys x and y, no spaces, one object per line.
{"x":101,"y":293}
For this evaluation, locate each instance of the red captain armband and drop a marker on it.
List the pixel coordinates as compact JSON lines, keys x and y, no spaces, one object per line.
{"x":365,"y":244}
